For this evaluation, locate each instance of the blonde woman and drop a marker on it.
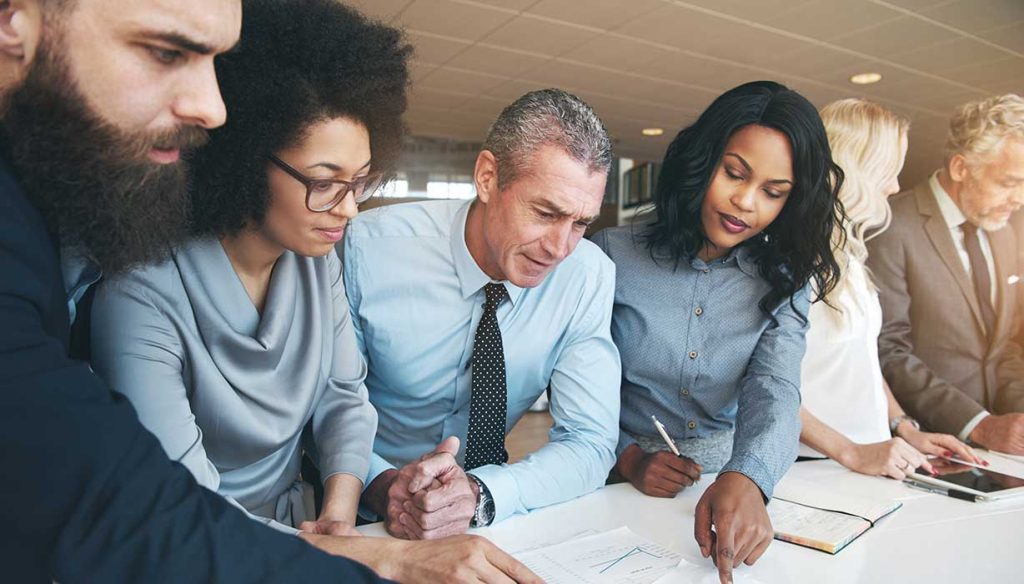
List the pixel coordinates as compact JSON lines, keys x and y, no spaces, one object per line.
{"x":848,"y":412}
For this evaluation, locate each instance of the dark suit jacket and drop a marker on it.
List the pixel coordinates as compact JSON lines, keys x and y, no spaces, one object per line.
{"x":934,"y":353}
{"x":87,"y":493}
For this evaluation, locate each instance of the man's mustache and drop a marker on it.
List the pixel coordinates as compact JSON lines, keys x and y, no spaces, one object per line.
{"x":184,"y":138}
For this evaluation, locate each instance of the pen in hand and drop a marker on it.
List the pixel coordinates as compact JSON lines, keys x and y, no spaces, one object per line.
{"x":664,"y":436}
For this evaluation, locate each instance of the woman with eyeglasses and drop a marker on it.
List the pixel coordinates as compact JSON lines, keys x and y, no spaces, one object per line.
{"x":238,"y":352}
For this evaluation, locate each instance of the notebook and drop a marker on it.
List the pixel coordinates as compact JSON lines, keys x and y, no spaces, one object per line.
{"x":808,"y":515}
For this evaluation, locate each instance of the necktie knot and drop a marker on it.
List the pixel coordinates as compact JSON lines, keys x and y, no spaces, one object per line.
{"x":494,"y":293}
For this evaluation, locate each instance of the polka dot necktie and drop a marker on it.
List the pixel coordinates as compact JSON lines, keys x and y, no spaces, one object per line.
{"x":485,"y":442}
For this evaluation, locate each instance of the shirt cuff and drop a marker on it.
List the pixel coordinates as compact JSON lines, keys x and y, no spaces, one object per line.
{"x":345,"y":463}
{"x":966,"y":432}
{"x":752,"y":468}
{"x":503,"y":489}
{"x":275,"y":525}
{"x":282,"y":527}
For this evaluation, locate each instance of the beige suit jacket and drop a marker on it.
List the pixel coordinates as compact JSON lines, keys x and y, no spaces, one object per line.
{"x":934,"y":353}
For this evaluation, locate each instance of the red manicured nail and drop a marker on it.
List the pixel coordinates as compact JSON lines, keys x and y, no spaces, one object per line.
{"x":947,"y":453}
{"x":984,"y":462}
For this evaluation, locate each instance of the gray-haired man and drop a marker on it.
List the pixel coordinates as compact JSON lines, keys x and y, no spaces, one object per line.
{"x":467,"y":311}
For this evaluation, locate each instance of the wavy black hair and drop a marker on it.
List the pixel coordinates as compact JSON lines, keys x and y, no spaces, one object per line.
{"x":798,"y":249}
{"x":298,"y":62}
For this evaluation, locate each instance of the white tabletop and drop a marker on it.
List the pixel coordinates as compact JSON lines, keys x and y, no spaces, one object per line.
{"x":931,"y":538}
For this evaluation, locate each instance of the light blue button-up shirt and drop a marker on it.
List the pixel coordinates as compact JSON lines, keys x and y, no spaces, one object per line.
{"x":699,"y":353}
{"x":416,"y":296}
{"x":79,"y":274}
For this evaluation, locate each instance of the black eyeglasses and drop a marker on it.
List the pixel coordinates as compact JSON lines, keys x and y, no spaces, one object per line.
{"x":324,"y":194}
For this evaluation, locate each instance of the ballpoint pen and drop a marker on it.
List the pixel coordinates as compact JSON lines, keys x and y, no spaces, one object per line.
{"x":664,"y":435}
{"x":954,"y":493}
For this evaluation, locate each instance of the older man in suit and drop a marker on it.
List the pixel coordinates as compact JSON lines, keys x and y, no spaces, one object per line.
{"x":947,"y":272}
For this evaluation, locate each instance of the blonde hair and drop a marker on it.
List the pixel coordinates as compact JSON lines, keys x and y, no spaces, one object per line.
{"x":978,"y":129}
{"x":865,"y":139}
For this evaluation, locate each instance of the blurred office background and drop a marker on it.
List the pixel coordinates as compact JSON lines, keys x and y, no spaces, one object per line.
{"x":649,"y":67}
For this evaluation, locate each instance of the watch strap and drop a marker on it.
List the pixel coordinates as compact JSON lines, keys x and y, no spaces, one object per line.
{"x":484,"y":512}
{"x":895,"y":423}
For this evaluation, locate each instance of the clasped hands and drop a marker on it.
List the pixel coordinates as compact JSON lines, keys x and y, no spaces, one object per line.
{"x":427,"y":499}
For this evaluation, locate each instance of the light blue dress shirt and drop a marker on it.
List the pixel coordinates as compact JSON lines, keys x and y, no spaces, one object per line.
{"x":416,"y":296}
{"x":79,"y":274}
{"x":699,"y":353}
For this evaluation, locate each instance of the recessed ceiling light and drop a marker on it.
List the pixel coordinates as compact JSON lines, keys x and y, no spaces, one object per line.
{"x":866,"y":78}
{"x":652,"y":131}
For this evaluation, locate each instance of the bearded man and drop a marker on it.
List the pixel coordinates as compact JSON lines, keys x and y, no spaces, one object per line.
{"x":100,"y":100}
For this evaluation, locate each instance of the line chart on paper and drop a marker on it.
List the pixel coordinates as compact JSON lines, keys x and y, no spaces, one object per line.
{"x":619,"y":556}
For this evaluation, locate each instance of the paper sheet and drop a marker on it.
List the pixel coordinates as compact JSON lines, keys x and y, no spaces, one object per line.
{"x":689,"y":573}
{"x":617,"y":556}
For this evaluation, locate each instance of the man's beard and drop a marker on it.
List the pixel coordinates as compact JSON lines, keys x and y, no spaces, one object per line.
{"x":93,"y":182}
{"x":989,"y":219}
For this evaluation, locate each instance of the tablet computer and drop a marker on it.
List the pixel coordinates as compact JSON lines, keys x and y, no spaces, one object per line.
{"x":986,"y":484}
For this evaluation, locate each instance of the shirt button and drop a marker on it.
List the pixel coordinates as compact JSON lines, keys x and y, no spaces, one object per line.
{"x":698,"y":311}
{"x":693,"y":354}
{"x":691,"y":424}
{"x":686,"y":392}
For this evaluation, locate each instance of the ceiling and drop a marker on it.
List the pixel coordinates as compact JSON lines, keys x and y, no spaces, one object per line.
{"x":658,"y":63}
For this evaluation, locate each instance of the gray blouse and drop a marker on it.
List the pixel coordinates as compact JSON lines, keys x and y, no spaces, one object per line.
{"x":228,"y":392}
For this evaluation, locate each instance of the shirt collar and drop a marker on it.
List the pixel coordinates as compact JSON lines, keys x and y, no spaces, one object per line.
{"x":745,"y":261}
{"x":471,"y":278}
{"x":950,"y":212}
{"x":740,"y":255}
{"x":79,"y":273}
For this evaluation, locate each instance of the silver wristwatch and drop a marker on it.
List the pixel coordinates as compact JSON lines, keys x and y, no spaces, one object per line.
{"x":895,"y":422}
{"x":484,"y":514}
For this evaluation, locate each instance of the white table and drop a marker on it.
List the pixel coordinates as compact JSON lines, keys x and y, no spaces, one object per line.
{"x":932,"y":538}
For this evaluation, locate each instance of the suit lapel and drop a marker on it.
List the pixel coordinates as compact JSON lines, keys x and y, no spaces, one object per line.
{"x":938,"y":233}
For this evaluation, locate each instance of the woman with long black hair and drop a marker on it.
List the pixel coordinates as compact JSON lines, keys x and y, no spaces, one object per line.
{"x":711,"y":304}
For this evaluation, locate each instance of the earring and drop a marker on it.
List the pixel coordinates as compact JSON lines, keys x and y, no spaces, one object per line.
{"x":766,"y":238}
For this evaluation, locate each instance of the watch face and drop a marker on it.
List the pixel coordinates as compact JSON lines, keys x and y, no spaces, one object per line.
{"x":487,"y":512}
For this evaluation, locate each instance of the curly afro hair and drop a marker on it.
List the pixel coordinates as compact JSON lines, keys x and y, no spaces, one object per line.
{"x":298,"y":62}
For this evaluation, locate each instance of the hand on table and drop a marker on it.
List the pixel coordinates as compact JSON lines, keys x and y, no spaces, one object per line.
{"x":734,"y":505}
{"x":893,"y":458}
{"x":657,"y":474}
{"x":459,"y":559}
{"x":427,"y":499}
{"x":940,"y":445}
{"x":1002,"y":433}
